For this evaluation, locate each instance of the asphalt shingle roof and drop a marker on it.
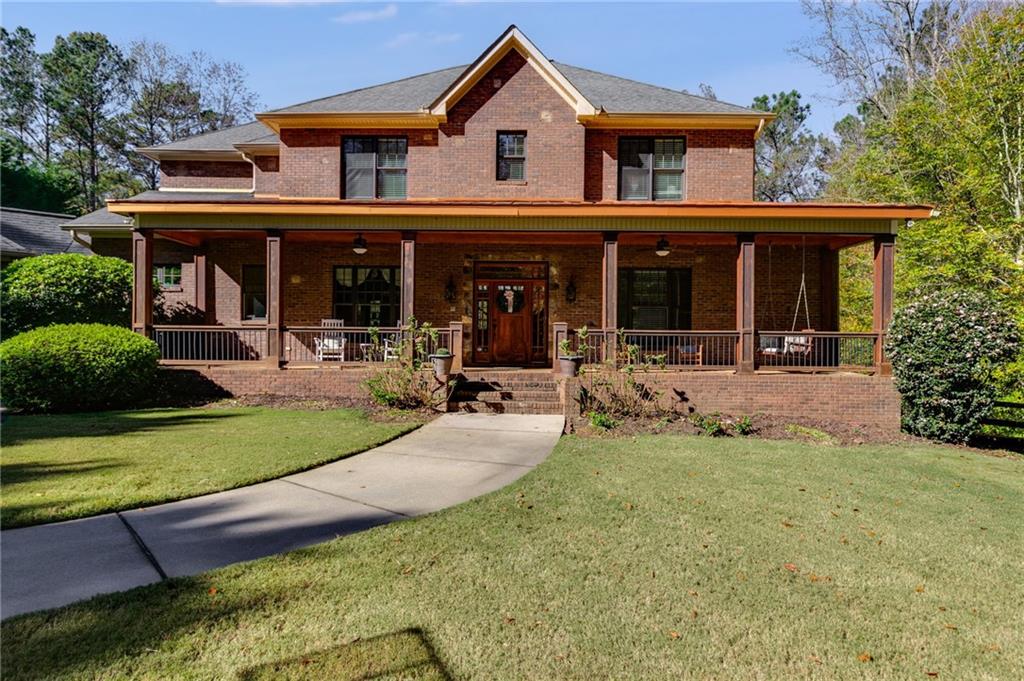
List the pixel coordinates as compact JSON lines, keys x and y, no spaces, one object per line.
{"x":611,"y":93}
{"x":35,"y":233}
{"x":223,"y":140}
{"x":98,"y":218}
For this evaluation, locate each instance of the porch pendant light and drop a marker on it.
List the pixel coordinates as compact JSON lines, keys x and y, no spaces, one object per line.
{"x":359,"y":245}
{"x":662,"y":249}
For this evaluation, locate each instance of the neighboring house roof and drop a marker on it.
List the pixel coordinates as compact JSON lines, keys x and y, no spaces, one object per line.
{"x":30,"y":232}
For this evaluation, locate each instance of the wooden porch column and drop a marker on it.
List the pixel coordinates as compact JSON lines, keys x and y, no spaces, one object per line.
{"x":199,"y":264}
{"x":745,"y":302}
{"x":829,"y":259}
{"x":885,"y":245}
{"x":610,"y":282}
{"x":142,"y":289}
{"x":275,"y":310}
{"x":408,"y":276}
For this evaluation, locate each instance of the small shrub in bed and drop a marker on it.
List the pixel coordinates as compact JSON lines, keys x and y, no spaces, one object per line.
{"x":711,"y":425}
{"x":945,"y":349}
{"x":404,"y":387}
{"x":77,"y":367}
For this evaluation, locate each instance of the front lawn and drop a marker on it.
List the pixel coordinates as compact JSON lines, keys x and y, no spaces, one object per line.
{"x":68,"y":466}
{"x":655,"y":557}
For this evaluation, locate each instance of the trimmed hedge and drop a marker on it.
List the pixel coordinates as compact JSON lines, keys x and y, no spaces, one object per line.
{"x":77,"y":367}
{"x":946,"y":350}
{"x":69,"y":288}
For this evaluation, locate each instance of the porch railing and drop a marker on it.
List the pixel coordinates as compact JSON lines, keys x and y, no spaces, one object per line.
{"x":324,"y":345}
{"x":811,"y":351}
{"x":211,"y":343}
{"x":816,"y":351}
{"x":655,"y":348}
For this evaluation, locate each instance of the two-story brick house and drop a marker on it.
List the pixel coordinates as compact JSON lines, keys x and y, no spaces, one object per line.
{"x":507,"y":203}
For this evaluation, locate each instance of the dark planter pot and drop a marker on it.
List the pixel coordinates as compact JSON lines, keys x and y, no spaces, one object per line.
{"x":442,"y":365}
{"x":570,"y":366}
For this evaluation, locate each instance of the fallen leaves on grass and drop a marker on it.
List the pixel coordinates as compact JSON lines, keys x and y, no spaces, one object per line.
{"x":673,"y":635}
{"x":791,"y":567}
{"x":865,"y":657}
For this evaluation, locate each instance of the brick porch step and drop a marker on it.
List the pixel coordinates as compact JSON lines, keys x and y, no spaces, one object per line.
{"x":508,"y":392}
{"x":483,"y":407}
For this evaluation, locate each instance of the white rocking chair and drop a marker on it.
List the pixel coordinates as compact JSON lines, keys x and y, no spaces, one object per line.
{"x":330,"y":345}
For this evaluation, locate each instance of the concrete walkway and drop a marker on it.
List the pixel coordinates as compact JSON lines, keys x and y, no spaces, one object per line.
{"x":448,"y":461}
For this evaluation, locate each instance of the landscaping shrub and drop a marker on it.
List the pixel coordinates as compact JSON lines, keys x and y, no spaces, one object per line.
{"x":405,"y":387}
{"x":603,"y":421}
{"x":945,"y":349}
{"x":65,"y":289}
{"x":619,"y":395}
{"x":77,"y":367}
{"x":712,"y":426}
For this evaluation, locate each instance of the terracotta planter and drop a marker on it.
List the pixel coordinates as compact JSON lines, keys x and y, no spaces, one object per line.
{"x":570,"y":366}
{"x":442,"y":365}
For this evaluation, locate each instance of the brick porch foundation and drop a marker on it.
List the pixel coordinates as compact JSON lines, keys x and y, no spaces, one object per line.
{"x":843,"y":398}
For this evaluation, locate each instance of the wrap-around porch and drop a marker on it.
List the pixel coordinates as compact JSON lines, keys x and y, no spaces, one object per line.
{"x":687,"y":301}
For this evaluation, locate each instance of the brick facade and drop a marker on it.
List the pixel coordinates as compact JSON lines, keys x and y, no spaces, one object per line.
{"x":844,"y":398}
{"x":267,"y":174}
{"x":178,"y":303}
{"x":206,"y":175}
{"x":719,"y":163}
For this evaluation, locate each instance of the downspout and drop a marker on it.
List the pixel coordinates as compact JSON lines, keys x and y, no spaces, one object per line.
{"x":76,"y":237}
{"x":250,"y":159}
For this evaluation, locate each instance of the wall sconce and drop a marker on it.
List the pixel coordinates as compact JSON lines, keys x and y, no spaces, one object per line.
{"x":359,"y":245}
{"x":662,"y":248}
{"x":570,"y":291}
{"x":449,"y":290}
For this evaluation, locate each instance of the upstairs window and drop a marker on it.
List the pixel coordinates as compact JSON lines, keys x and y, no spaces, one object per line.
{"x":651,"y":168}
{"x":375,"y":167}
{"x":512,"y":156}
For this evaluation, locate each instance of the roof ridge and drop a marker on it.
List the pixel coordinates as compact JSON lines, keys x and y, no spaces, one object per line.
{"x":641,"y":82}
{"x":365,"y":87}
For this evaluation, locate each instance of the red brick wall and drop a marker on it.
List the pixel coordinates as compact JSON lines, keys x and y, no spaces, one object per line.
{"x":267,"y":174}
{"x":206,"y":175}
{"x":719,"y":163}
{"x":459,"y":159}
{"x":178,"y":302}
{"x":845,"y":398}
{"x":512,"y":97}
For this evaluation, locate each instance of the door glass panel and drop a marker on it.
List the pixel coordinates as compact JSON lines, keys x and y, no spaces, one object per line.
{"x":510,"y":298}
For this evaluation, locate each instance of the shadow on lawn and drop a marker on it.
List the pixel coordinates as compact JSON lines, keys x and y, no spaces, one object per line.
{"x":407,"y":654}
{"x":26,"y":428}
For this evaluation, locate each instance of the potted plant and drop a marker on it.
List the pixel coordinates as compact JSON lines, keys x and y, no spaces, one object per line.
{"x":569,"y":360}
{"x":442,"y":360}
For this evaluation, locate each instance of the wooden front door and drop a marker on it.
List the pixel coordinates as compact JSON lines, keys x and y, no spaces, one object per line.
{"x":510,"y":316}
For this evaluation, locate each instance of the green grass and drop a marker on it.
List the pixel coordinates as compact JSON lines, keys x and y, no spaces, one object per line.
{"x":69,"y":466}
{"x":653,"y":557}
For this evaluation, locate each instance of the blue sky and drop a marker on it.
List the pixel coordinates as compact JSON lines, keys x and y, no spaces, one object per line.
{"x":297,"y":50}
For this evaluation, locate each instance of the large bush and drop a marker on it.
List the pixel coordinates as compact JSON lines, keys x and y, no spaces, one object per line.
{"x":945,"y":349}
{"x":76,"y":367}
{"x":65,"y":289}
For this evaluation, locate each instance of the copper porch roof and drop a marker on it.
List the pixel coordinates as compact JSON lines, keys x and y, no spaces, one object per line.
{"x":242,"y":203}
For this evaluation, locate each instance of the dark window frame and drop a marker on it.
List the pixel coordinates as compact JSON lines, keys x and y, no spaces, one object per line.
{"x":652,"y":171}
{"x":377,"y":168}
{"x":351,"y":314}
{"x":678,"y":297}
{"x":499,"y":156}
{"x":249,"y":290}
{"x":160,"y":272}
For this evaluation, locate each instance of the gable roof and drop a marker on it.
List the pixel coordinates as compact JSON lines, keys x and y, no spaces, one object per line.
{"x":31,"y":232}
{"x":422,"y":101}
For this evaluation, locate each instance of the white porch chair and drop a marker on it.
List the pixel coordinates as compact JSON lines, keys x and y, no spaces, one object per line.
{"x":330,"y":345}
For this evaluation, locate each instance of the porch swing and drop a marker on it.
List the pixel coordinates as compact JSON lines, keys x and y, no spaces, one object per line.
{"x":793,"y":348}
